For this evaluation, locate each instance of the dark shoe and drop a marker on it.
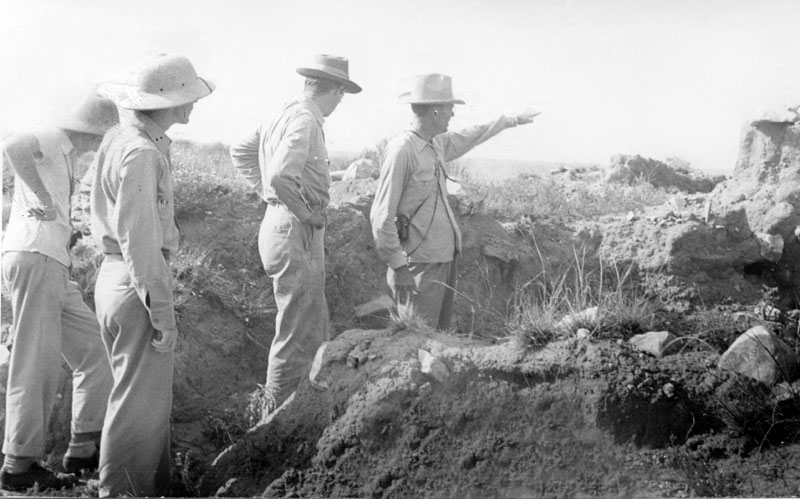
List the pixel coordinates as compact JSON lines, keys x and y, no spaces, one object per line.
{"x":20,"y":482}
{"x":77,"y":464}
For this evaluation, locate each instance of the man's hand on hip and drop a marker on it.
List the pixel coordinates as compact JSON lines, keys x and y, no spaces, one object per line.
{"x":164,"y":341}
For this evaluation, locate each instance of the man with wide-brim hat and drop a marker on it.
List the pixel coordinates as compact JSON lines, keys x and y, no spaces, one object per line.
{"x":414,"y":227}
{"x":286,"y":162}
{"x":133,"y":222}
{"x":51,"y":322}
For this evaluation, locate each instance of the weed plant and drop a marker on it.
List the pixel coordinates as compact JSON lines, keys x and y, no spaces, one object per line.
{"x":540,"y":306}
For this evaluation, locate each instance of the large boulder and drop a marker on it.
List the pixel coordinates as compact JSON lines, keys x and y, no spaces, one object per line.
{"x":727,"y":244}
{"x":765,"y":190}
{"x":760,"y":355}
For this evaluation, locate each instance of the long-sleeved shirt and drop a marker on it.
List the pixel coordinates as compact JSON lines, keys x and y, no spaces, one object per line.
{"x":133,"y":214}
{"x":286,"y":160}
{"x":55,"y":162}
{"x":413,"y":183}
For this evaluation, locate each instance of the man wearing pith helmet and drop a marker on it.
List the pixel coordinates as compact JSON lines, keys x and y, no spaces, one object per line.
{"x":414,"y":228}
{"x":286,"y":161}
{"x":51,"y":323}
{"x":133,"y":221}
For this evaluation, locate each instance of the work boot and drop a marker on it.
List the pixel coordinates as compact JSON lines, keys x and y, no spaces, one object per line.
{"x":72,"y":464}
{"x":36,"y":474}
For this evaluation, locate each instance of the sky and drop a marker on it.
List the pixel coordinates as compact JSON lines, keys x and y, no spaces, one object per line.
{"x":661,"y":79}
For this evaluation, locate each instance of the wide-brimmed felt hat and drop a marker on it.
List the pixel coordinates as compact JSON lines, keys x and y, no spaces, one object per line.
{"x":432,"y":88}
{"x":331,"y":67}
{"x":95,"y":115}
{"x":161,"y":82}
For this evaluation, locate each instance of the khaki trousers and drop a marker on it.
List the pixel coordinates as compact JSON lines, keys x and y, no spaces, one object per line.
{"x":293,"y":256}
{"x":434,"y":301}
{"x":51,"y":324}
{"x":135,"y":445}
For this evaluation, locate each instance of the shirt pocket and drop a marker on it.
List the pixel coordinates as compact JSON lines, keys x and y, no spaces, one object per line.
{"x":165,"y":211}
{"x":421,"y":186}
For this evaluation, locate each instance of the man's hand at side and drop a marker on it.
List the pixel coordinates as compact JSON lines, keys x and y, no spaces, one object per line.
{"x":404,"y":285}
{"x":164,"y":341}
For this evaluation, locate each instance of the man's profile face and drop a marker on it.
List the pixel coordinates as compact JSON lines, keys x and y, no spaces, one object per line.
{"x":336,"y":96}
{"x":183,"y":112}
{"x":442,"y":113}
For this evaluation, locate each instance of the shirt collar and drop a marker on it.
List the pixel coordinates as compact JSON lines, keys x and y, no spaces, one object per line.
{"x":418,"y":141}
{"x":153,"y":130}
{"x":63,"y":141}
{"x":314,"y":108}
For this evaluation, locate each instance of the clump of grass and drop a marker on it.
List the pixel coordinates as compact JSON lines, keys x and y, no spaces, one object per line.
{"x":540,"y":306}
{"x":226,"y":427}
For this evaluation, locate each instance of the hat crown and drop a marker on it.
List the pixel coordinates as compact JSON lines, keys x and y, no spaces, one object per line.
{"x":432,"y":88}
{"x":166,"y":73}
{"x":333,"y":68}
{"x":95,"y":115}
{"x":335,"y":65}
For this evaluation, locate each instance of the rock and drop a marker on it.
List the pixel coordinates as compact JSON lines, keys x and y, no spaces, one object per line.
{"x":656,"y":343}
{"x":760,"y":355}
{"x":361,"y":168}
{"x":677,"y":202}
{"x":771,"y":246}
{"x":432,"y":366}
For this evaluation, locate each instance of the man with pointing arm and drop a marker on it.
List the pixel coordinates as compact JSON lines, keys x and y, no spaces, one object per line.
{"x":414,"y":228}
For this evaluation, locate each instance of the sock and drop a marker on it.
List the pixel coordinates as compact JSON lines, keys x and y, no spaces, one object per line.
{"x":83,"y":444}
{"x":17,"y":464}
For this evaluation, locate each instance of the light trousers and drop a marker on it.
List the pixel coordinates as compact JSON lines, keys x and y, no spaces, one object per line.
{"x":293,"y":256}
{"x":51,"y":324}
{"x":135,"y":445}
{"x":436,"y":293}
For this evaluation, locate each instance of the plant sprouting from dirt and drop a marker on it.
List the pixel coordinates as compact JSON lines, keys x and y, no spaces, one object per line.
{"x":558,"y":304}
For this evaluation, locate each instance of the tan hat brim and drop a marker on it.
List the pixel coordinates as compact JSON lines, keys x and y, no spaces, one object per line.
{"x":82,"y":126}
{"x":129,"y":97}
{"x":350,"y":86}
{"x":406,"y":97}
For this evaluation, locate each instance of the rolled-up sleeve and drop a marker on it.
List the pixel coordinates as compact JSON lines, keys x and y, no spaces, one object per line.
{"x":456,"y":144}
{"x":136,"y":214}
{"x":285,"y":167}
{"x":244,"y":156}
{"x":384,"y":207}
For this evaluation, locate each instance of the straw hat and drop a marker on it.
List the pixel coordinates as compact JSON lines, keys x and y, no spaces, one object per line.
{"x":161,"y":82}
{"x":95,"y":115}
{"x":431,"y":88}
{"x":331,"y":67}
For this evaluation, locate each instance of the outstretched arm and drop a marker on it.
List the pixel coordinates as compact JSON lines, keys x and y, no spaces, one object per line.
{"x":456,"y":144}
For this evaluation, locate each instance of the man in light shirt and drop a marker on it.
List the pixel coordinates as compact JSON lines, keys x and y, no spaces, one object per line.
{"x":50,"y":321}
{"x":286,"y":162}
{"x":133,"y":222}
{"x":412,"y":190}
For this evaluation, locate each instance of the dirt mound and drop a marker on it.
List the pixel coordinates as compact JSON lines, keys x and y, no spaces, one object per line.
{"x":416,"y":414}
